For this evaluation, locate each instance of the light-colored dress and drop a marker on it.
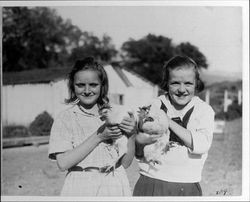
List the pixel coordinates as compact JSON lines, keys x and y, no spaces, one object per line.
{"x":70,"y":129}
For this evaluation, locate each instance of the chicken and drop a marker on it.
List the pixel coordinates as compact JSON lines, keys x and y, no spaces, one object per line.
{"x":154,"y":122}
{"x":113,"y":115}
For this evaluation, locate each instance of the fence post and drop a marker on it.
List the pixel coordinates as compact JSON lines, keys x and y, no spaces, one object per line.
{"x":239,"y":97}
{"x":207,"y":99}
{"x":225,"y":101}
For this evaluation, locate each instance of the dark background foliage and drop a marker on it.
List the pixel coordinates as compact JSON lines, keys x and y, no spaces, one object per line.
{"x":38,"y":38}
{"x":41,"y":125}
{"x":146,"y":56}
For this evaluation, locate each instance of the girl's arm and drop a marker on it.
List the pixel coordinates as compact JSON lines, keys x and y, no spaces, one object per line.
{"x":199,"y":138}
{"x":128,"y":125}
{"x":72,"y":157}
{"x":129,"y":156}
{"x":182,"y":133}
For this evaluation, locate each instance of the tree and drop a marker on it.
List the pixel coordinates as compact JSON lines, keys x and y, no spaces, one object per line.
{"x":192,"y":52}
{"x":91,"y":45}
{"x":146,"y":56}
{"x":32,"y":37}
{"x":36,"y":37}
{"x":107,"y":50}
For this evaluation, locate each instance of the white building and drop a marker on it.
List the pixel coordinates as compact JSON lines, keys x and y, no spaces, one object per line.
{"x":22,"y":102}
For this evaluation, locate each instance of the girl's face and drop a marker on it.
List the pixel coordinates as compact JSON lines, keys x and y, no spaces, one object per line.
{"x":181,"y":86}
{"x":87,"y":86}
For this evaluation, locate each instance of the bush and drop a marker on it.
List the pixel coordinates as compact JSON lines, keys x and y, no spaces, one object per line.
{"x":13,"y":131}
{"x":220,"y":115}
{"x":41,"y":126}
{"x":234,"y":111}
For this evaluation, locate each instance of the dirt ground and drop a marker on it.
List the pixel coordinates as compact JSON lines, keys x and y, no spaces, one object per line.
{"x":26,"y":171}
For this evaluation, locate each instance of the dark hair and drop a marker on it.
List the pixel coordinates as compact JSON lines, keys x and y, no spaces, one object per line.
{"x":88,"y":63}
{"x":180,"y":61}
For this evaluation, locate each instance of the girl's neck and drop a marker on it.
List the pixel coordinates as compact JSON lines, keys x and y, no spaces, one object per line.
{"x":90,"y":109}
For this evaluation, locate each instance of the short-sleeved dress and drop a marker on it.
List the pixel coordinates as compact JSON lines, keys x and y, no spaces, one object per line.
{"x":70,"y":129}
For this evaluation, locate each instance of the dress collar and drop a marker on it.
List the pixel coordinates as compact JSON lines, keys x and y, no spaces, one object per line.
{"x":180,"y":113}
{"x":86,"y":112}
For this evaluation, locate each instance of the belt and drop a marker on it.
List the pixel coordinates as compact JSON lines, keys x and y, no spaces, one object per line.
{"x":104,"y":169}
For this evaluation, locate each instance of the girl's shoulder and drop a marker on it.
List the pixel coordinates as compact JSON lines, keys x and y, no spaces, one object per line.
{"x":65,"y":114}
{"x":201,"y":106}
{"x":162,"y":99}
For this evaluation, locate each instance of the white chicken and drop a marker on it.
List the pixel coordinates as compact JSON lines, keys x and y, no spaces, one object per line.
{"x":113,"y":115}
{"x":154,"y":122}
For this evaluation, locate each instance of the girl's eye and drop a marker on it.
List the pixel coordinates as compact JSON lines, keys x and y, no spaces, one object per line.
{"x":80,"y":85}
{"x":174,"y":83}
{"x":94,"y":84}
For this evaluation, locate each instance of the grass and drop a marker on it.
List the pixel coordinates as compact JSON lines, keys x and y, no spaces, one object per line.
{"x":222,"y":174}
{"x":26,"y":171}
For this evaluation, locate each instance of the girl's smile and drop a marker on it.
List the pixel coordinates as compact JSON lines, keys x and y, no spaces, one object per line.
{"x":181,"y":86}
{"x":87,"y":87}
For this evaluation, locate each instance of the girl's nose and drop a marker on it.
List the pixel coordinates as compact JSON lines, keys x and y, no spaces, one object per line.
{"x":182,"y":88}
{"x":87,"y":90}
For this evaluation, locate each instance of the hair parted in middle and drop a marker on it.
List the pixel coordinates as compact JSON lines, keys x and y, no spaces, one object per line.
{"x":179,"y":62}
{"x":88,"y":63}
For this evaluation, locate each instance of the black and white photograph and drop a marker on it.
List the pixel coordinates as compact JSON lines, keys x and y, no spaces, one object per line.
{"x":125,"y":100}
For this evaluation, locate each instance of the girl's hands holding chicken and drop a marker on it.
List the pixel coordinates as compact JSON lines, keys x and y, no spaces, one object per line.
{"x":119,"y":116}
{"x":153,"y":124}
{"x":128,"y":125}
{"x":109,"y":132}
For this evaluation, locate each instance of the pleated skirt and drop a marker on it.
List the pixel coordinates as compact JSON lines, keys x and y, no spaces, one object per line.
{"x":147,"y":186}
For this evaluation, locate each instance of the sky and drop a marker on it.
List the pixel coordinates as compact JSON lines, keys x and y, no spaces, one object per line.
{"x":215,"y":30}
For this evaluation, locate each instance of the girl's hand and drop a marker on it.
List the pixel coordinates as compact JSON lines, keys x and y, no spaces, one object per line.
{"x":145,"y":139}
{"x":108,"y":132}
{"x":128,"y":125}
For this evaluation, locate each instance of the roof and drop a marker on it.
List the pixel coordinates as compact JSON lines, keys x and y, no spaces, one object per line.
{"x":133,"y":77}
{"x":117,"y":73}
{"x":123,"y":76}
{"x":34,"y":76}
{"x":137,"y":79}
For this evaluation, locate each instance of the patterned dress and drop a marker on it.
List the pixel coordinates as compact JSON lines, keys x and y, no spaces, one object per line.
{"x":72,"y":127}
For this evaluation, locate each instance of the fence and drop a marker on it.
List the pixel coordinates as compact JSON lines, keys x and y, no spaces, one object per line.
{"x":226,"y":100}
